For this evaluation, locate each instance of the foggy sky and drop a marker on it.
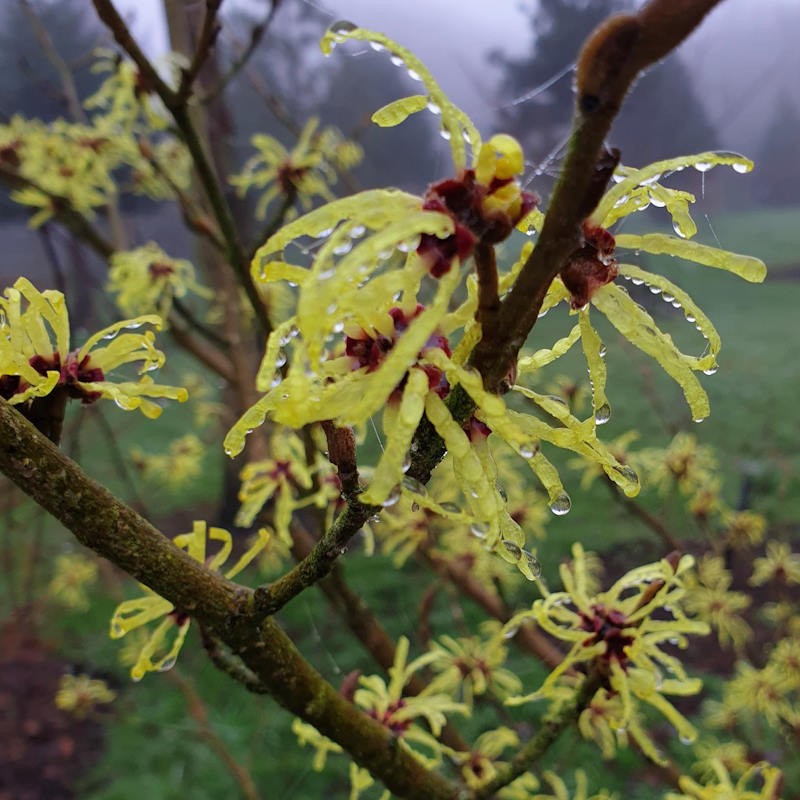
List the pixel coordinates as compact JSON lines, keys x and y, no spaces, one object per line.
{"x":744,"y":58}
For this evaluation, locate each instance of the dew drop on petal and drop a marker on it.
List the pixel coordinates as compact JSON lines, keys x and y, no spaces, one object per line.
{"x":510,"y":633}
{"x":561,"y":505}
{"x":602,"y":351}
{"x":636,"y":281}
{"x":602,"y":414}
{"x":451,"y":508}
{"x":512,"y":548}
{"x":357,"y":231}
{"x":392,"y":498}
{"x":703,"y":166}
{"x":479,"y":530}
{"x":533,"y":564}
{"x":741,"y":168}
{"x":434,"y":108}
{"x":406,"y":464}
{"x":677,"y":228}
{"x":377,"y":47}
{"x":698,"y":419}
{"x":655,"y":289}
{"x":711,"y":370}
{"x":445,"y":135}
{"x":342,"y":26}
{"x":528,"y":449}
{"x":413,"y":485}
{"x":397,"y":61}
{"x":280,"y":359}
{"x":414,"y":75}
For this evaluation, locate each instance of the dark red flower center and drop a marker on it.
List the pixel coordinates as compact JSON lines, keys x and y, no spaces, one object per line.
{"x":607,"y":625}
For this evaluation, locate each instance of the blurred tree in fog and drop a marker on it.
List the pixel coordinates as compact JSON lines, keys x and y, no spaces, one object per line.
{"x":646,"y":130}
{"x":342,"y":90}
{"x":777,"y":161}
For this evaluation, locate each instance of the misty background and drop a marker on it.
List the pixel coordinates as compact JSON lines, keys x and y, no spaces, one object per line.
{"x":731,"y":86}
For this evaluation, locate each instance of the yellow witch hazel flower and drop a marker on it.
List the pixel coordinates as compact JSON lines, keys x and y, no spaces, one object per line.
{"x":161,"y":649}
{"x":361,"y":341}
{"x":286,"y":478}
{"x":307,"y":171}
{"x":146,"y":280}
{"x":36,"y":359}
{"x":722,"y":787}
{"x":587,"y":281}
{"x":614,"y":634}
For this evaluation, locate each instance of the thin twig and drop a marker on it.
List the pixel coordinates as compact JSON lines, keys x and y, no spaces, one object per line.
{"x":256,"y":35}
{"x":197,"y":711}
{"x":209,"y":31}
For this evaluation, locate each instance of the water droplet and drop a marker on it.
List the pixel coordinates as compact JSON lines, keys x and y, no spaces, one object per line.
{"x":338,"y":327}
{"x":377,"y":47}
{"x":629,"y":473}
{"x":413,"y":485}
{"x":602,"y":351}
{"x":711,"y":370}
{"x":513,"y":548}
{"x":543,"y":312}
{"x":636,"y":281}
{"x":703,"y":166}
{"x":276,"y":381}
{"x":676,"y":304}
{"x":533,"y":564}
{"x":166,"y":665}
{"x":479,"y":530}
{"x":342,"y":26}
{"x":326,"y":274}
{"x":602,"y":414}
{"x":698,"y":419}
{"x":414,"y":507}
{"x":686,"y":739}
{"x":293,"y":284}
{"x":384,"y":254}
{"x":676,"y":226}
{"x":280,"y":359}
{"x":397,"y":61}
{"x":445,"y":135}
{"x":344,"y":247}
{"x":652,"y":179}
{"x":414,"y":75}
{"x":528,"y":449}
{"x":406,"y":464}
{"x":741,"y":168}
{"x":323,"y":234}
{"x":434,"y":109}
{"x":655,"y":289}
{"x":667,"y":298}
{"x":655,"y":201}
{"x":691,"y":318}
{"x":357,"y":231}
{"x":510,"y":633}
{"x":392,"y":498}
{"x":561,"y":505}
{"x":451,"y":508}
{"x":331,"y":309}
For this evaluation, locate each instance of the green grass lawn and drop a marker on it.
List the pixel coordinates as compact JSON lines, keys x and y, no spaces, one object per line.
{"x":154,"y":748}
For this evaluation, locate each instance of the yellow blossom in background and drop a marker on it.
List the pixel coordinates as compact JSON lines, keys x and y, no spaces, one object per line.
{"x":472,"y":666}
{"x":305,"y":172}
{"x":684,"y":464}
{"x":744,"y":529}
{"x":182,"y":463}
{"x":779,"y":564}
{"x":73,"y":575}
{"x":711,"y":753}
{"x":146,"y":280}
{"x":479,"y":765}
{"x":35,"y":355}
{"x":759,"y":693}
{"x":620,"y":634}
{"x":560,"y":791}
{"x":710,"y":598}
{"x":722,"y":787}
{"x":161,"y":649}
{"x":79,"y":695}
{"x":386,"y":703}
